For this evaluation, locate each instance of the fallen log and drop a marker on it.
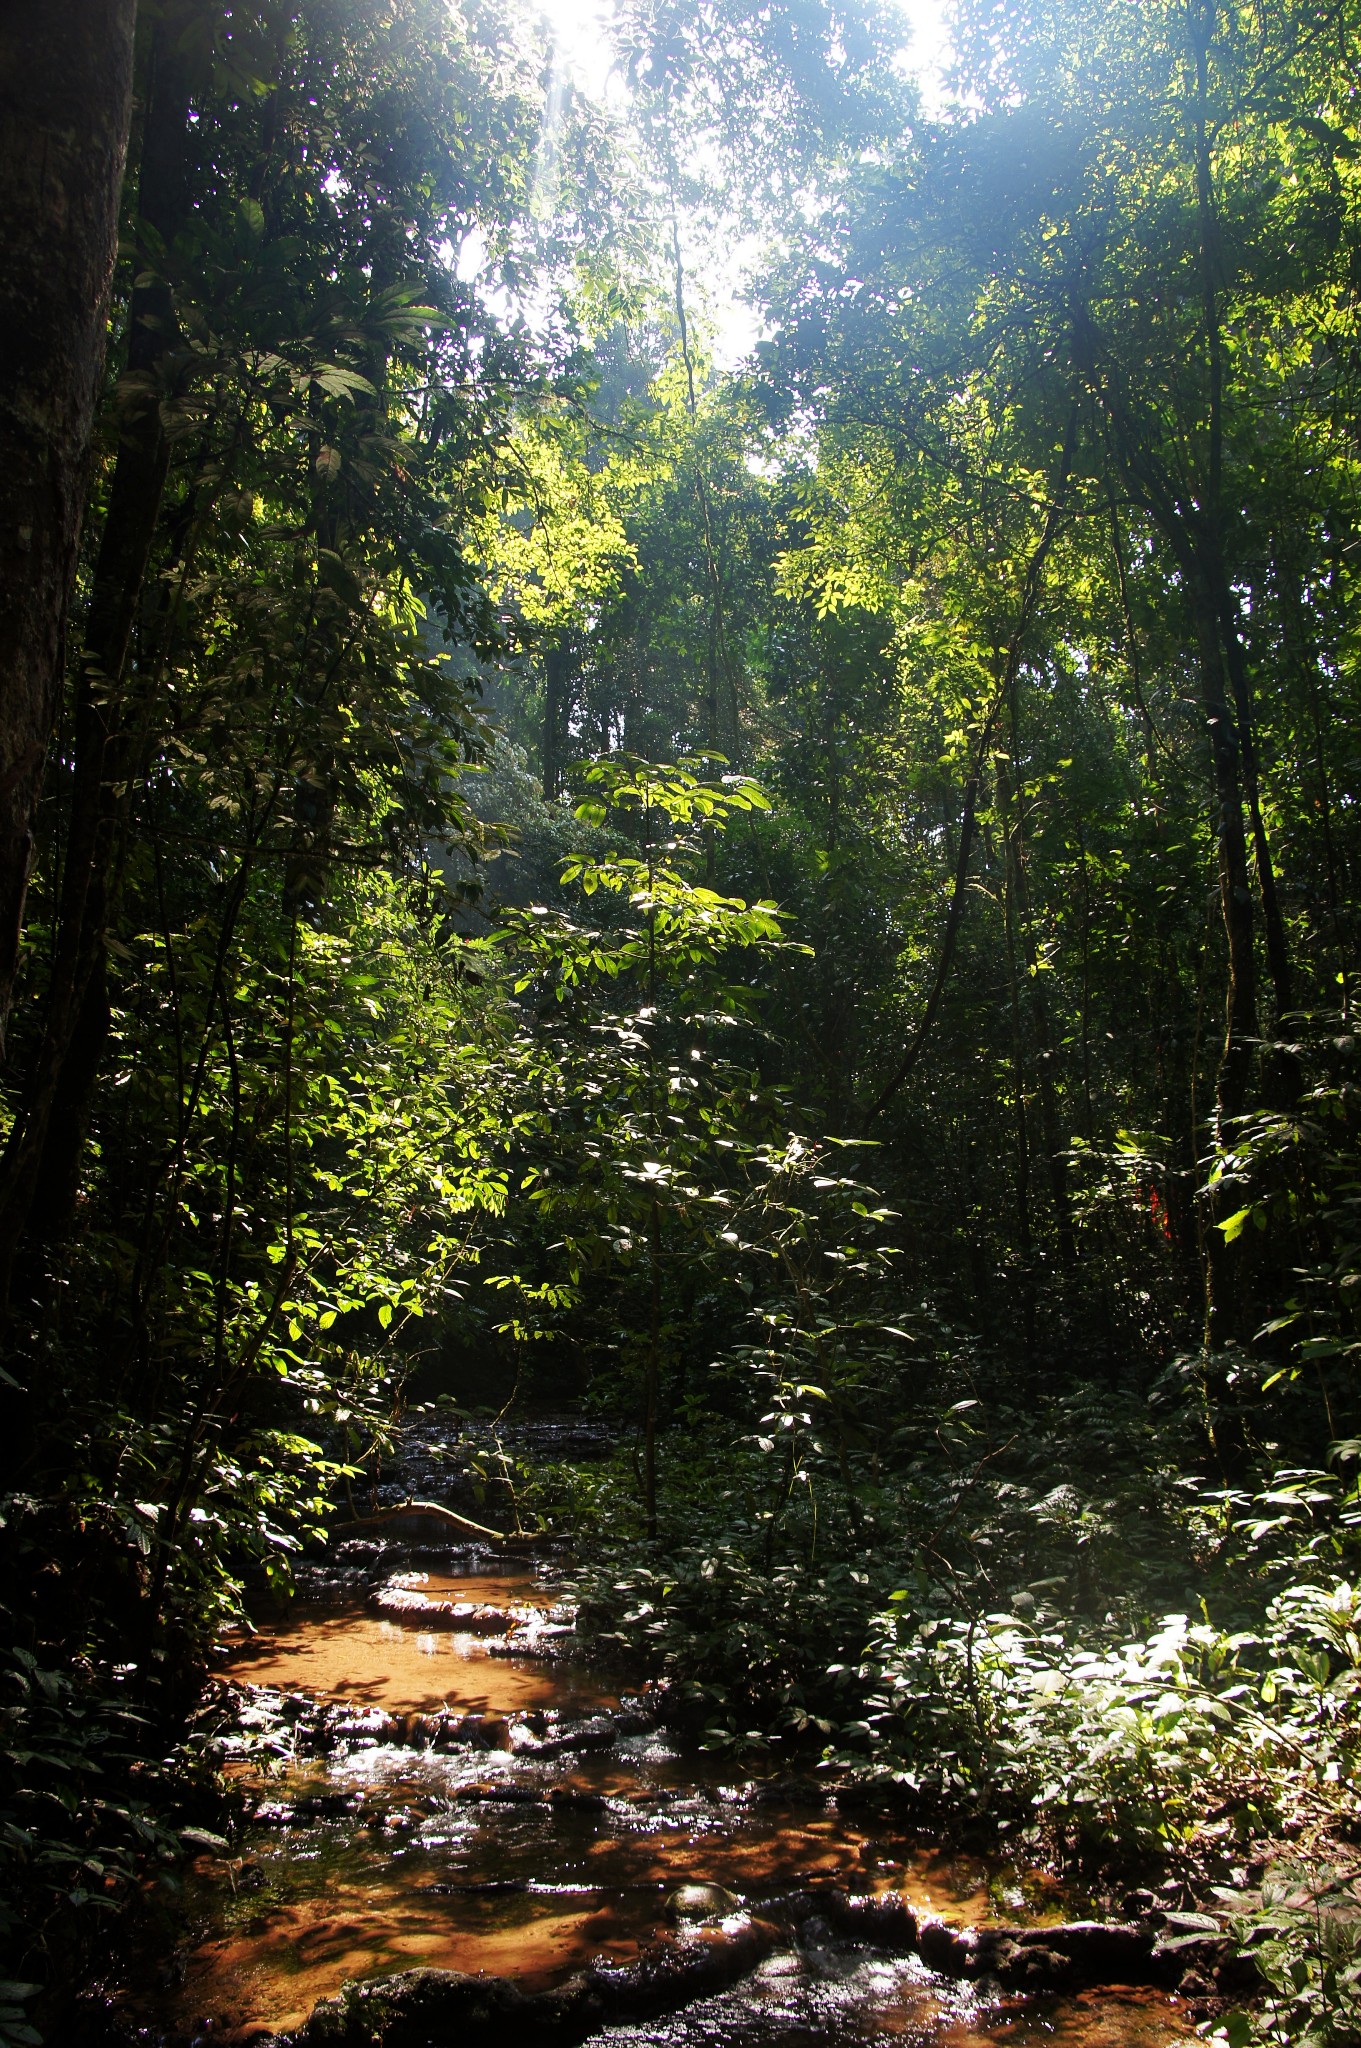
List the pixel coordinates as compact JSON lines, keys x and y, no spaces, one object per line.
{"x":418,"y":1507}
{"x":427,"y":2008}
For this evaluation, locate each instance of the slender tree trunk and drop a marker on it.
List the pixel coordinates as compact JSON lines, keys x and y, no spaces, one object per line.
{"x":1273,"y":925}
{"x":719,"y":655}
{"x":556,"y":668}
{"x":65,"y":107}
{"x":1235,"y":888}
{"x":1013,"y":826}
{"x":1024,"y":1228}
{"x":653,"y":1369}
{"x":1223,"y":1309}
{"x":1085,"y":1013}
{"x":1132,"y":642}
{"x":1303,"y":657}
{"x":954,"y":918}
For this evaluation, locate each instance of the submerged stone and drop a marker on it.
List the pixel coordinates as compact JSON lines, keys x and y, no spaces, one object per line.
{"x":699,"y":1902}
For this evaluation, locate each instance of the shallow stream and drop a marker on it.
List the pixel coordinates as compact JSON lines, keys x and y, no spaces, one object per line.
{"x":435,"y":1779}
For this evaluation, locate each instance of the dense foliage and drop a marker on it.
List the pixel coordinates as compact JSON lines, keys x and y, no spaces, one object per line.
{"x":811,"y":907}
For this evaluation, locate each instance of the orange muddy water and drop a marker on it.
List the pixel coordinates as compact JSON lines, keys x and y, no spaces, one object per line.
{"x":370,"y":1660}
{"x":504,"y":1845}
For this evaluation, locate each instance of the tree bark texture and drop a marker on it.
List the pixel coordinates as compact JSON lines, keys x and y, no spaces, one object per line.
{"x":65,"y":107}
{"x":39,"y":1184}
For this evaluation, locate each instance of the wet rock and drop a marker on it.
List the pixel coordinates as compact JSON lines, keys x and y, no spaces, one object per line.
{"x":1100,"y":1951}
{"x":501,"y":1795}
{"x":882,"y":1918}
{"x":674,"y":1973}
{"x":879,"y":1919}
{"x":1077,"y":1953}
{"x":308,"y":1806}
{"x":1035,"y":1969}
{"x":473,"y":1731}
{"x":476,"y":1886}
{"x":1211,"y":1965}
{"x":699,"y":1902}
{"x":600,"y":1732}
{"x":486,"y":1731}
{"x":816,"y":1932}
{"x":533,"y":1636}
{"x":790,"y":1792}
{"x":944,"y":1948}
{"x":419,"y":1731}
{"x":792,"y":1910}
{"x":364,"y":1727}
{"x":467,"y":1617}
{"x":634,"y":1721}
{"x":421,"y":2007}
{"x":361,"y":1725}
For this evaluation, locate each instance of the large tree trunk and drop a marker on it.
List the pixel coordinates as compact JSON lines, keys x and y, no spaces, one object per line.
{"x":65,"y":106}
{"x":43,"y":1157}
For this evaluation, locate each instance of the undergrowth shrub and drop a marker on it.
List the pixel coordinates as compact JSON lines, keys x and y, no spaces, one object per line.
{"x":1083,"y":1706}
{"x":1126,"y":1750}
{"x":84,"y":1811}
{"x":1302,"y":1927}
